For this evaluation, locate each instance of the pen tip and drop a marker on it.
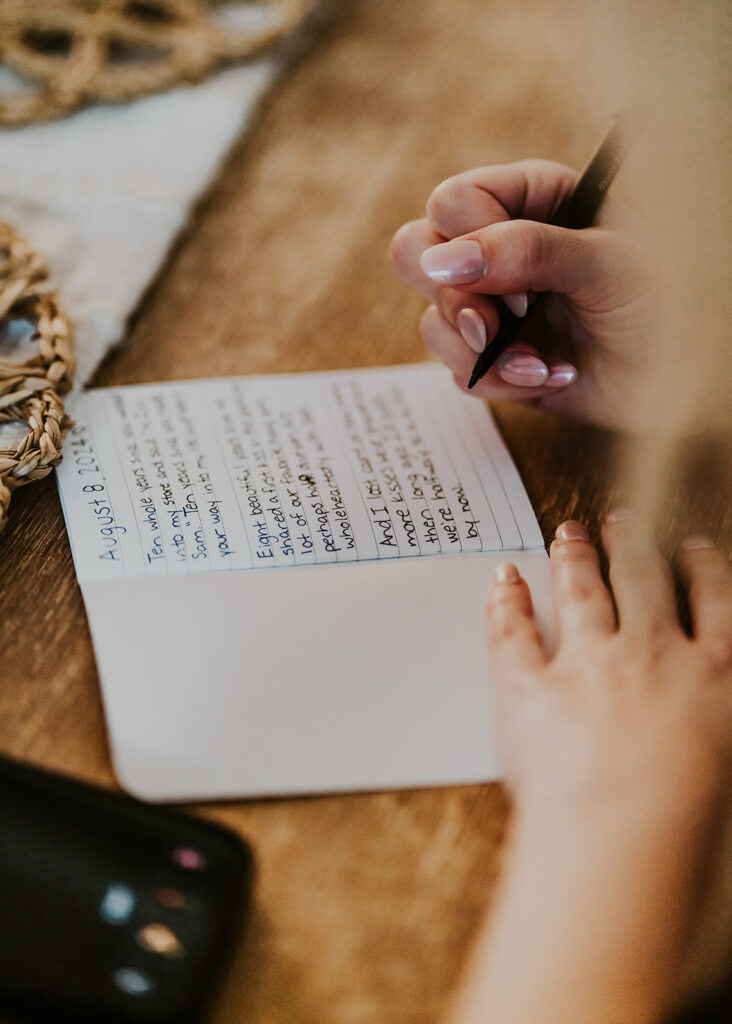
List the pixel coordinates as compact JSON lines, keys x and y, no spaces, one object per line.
{"x":473,"y":380}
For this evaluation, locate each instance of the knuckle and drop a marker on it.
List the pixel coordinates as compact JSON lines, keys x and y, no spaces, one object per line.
{"x":533,"y":244}
{"x":627,"y":573}
{"x":647,"y":647}
{"x":656,"y":644}
{"x":449,"y":302}
{"x":634,"y":570}
{"x":429,"y":322}
{"x":573,"y":591}
{"x":441,"y":204}
{"x":562,"y":175}
{"x":510,"y":627}
{"x":400,"y":246}
{"x":511,"y":596}
{"x":719,"y":653}
{"x":711,"y":591}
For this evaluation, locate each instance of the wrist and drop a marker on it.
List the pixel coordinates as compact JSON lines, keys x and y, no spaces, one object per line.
{"x":607,"y":900}
{"x":681,"y":789}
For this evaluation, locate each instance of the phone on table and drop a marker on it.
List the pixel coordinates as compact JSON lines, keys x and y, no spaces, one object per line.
{"x":111,"y":910}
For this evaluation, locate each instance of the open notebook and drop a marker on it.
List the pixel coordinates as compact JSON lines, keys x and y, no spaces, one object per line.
{"x":285,"y":578}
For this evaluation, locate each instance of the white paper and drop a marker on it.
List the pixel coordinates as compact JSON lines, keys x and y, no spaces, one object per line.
{"x":266,"y":472}
{"x":285,"y":578}
{"x":103,"y":193}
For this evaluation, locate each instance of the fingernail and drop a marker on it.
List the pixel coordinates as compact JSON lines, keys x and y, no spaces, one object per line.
{"x":571,"y":530}
{"x":562,"y":375}
{"x":472,"y":327}
{"x":518,"y":304}
{"x":523,"y":369}
{"x":507,"y":573}
{"x":619,"y":515}
{"x":695,"y":543}
{"x":457,"y":262}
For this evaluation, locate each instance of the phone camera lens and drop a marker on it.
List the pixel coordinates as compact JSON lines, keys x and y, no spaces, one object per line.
{"x":189,"y":859}
{"x":170,"y":899}
{"x":158,"y":938}
{"x":134,"y":982}
{"x":117,"y":904}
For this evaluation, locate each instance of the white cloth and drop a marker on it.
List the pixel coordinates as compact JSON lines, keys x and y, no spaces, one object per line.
{"x":102,"y":194}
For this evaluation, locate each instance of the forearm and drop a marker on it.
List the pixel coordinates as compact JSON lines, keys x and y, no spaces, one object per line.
{"x":617,"y":754}
{"x":592,"y":924}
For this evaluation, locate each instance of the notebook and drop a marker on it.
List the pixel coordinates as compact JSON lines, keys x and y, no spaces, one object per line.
{"x":285,"y":579}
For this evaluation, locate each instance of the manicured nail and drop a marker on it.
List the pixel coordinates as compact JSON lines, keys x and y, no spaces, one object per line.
{"x":523,"y":369}
{"x":518,"y":304}
{"x":571,"y":530}
{"x":457,"y":262}
{"x":695,"y":543}
{"x":472,"y":327}
{"x":562,"y":375}
{"x":507,"y":573}
{"x":619,"y":515}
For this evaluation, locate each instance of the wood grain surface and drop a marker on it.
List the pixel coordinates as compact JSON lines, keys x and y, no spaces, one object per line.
{"x":366,"y":906}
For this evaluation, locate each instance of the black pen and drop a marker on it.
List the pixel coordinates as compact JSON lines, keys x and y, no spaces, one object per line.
{"x":577,"y":210}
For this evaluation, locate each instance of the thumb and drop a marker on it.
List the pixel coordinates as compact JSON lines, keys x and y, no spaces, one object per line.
{"x":521,"y":255}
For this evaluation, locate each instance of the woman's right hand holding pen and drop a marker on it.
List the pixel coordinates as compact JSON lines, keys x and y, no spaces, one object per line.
{"x":583,"y":352}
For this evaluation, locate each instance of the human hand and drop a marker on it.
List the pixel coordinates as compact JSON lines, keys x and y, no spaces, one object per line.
{"x":616,"y":750}
{"x":584,"y":351}
{"x":640,"y":686}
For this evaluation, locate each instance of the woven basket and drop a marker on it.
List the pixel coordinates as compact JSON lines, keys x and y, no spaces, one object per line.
{"x":30,"y":391}
{"x":74,"y":52}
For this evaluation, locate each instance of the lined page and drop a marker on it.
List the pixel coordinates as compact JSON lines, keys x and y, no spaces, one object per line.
{"x":273,"y":471}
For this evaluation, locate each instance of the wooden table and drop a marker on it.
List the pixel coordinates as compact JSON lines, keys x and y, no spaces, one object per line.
{"x":366,"y":905}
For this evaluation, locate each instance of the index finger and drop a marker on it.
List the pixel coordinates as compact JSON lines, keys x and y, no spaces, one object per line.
{"x":514,"y":640}
{"x":527,"y":189}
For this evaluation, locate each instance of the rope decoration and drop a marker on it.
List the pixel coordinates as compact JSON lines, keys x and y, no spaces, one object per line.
{"x":30,"y":391}
{"x":74,"y":52}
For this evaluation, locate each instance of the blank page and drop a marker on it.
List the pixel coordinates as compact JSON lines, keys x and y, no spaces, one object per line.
{"x":285,"y":578}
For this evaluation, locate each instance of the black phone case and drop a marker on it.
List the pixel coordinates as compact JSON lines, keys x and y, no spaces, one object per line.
{"x":111,"y":910}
